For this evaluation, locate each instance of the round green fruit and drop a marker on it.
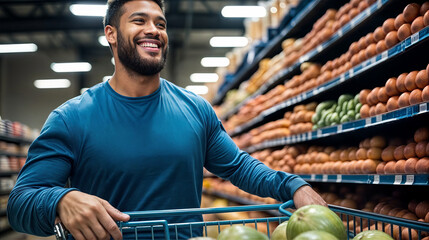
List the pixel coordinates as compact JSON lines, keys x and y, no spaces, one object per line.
{"x":280,"y":232}
{"x":315,"y":217}
{"x":372,"y":234}
{"x":315,"y":235}
{"x":239,"y":232}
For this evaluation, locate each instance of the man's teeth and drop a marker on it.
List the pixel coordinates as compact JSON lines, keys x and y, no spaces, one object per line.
{"x":151,"y":45}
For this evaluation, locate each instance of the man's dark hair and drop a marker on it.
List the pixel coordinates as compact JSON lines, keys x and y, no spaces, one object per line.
{"x":114,"y":11}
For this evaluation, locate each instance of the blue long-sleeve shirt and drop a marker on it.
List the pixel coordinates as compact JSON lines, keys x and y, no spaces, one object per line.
{"x":140,"y":153}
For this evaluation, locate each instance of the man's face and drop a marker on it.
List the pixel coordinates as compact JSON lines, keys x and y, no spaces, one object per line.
{"x":142,"y":37}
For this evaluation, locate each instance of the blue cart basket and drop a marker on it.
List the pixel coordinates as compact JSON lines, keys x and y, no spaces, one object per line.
{"x":355,"y":220}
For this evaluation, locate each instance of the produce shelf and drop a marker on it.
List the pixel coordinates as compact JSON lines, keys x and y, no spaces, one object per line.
{"x":398,"y":179}
{"x":342,"y":35}
{"x":15,"y":139}
{"x":394,"y":116}
{"x":418,"y":39}
{"x":3,"y":153}
{"x":308,"y":13}
{"x":8,"y":173}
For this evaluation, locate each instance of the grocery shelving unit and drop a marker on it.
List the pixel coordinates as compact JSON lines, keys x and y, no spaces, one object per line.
{"x":406,"y":56}
{"x":418,"y":41}
{"x":9,"y":173}
{"x":300,"y":22}
{"x":355,"y":127}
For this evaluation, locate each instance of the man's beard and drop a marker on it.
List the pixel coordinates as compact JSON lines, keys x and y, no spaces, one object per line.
{"x":131,"y":59}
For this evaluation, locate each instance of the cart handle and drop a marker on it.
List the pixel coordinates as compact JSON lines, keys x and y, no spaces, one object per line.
{"x":198,"y":211}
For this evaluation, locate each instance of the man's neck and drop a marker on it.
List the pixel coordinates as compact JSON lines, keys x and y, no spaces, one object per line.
{"x":134,"y":85}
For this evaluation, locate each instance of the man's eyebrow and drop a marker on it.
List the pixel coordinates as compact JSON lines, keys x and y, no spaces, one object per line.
{"x":142,"y":14}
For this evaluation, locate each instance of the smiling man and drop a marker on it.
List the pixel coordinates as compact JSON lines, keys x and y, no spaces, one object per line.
{"x":136,"y":142}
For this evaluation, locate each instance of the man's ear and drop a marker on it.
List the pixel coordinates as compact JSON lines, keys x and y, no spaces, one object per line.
{"x":110,"y":33}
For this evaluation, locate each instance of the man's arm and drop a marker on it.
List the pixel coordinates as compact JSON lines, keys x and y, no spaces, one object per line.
{"x":39,"y":196}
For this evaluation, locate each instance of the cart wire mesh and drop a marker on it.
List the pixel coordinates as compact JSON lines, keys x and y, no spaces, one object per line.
{"x":355,"y":222}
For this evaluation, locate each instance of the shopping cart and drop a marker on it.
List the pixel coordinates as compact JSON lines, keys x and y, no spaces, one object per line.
{"x":355,"y":221}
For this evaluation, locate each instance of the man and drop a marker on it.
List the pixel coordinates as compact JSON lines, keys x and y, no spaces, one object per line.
{"x":136,"y":142}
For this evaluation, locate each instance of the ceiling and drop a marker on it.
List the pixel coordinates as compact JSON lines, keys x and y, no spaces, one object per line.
{"x":50,"y":24}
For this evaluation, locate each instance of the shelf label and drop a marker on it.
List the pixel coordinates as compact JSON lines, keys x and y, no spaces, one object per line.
{"x":340,"y":32}
{"x":384,"y":55}
{"x":368,"y":12}
{"x":319,"y":48}
{"x":379,"y":3}
{"x":324,"y":178}
{"x":303,"y":58}
{"x":378,"y":118}
{"x":415,"y":38}
{"x":299,"y":98}
{"x":367,"y":121}
{"x":339,"y":128}
{"x":423,"y":107}
{"x":309,"y":135}
{"x":398,"y":180}
{"x":342,"y":78}
{"x":339,"y":178}
{"x":376,"y":179}
{"x":351,"y":73}
{"x":319,"y":133}
{"x":313,"y":177}
{"x":409,"y":180}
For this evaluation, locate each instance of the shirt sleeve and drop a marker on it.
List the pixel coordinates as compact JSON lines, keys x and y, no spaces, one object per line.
{"x":227,"y":161}
{"x":40,"y":185}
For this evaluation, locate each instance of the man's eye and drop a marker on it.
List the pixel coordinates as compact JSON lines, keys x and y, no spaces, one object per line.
{"x":162,"y":25}
{"x":138,"y":20}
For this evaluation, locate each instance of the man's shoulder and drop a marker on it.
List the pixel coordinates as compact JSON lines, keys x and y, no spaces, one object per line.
{"x":183,"y":94}
{"x":81,"y":102}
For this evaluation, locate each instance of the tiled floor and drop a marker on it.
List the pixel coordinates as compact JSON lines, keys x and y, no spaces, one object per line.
{"x":11,"y":235}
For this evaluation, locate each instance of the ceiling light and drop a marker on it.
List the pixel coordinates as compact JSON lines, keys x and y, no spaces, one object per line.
{"x":95,"y":10}
{"x":243,"y":11}
{"x":228,"y":41}
{"x":18,"y":48}
{"x":52,"y":83}
{"x":198,"y":89}
{"x":215,"y":62}
{"x":71,"y":67}
{"x":103,"y":41}
{"x":204,"y":77}
{"x":106,"y":78}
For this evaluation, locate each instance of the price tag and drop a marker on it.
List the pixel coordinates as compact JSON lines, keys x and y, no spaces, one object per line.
{"x":376,"y":179}
{"x":384,"y":55}
{"x":319,"y":133}
{"x":398,"y":180}
{"x":378,"y":118}
{"x":324,"y":178}
{"x":298,"y":138}
{"x":367,"y":121}
{"x":313,"y":177}
{"x":339,"y":178}
{"x":351,"y":73}
{"x":368,"y":11}
{"x":379,"y":3}
{"x":304,"y":137}
{"x":299,"y":98}
{"x":339,"y":128}
{"x":303,"y":58}
{"x":409,"y":180}
{"x":342,"y":78}
{"x":309,"y":135}
{"x":319,"y":48}
{"x":340,"y":32}
{"x":423,"y":107}
{"x":415,"y":38}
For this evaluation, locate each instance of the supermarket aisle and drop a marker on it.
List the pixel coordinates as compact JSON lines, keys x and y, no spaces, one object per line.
{"x":20,"y":236}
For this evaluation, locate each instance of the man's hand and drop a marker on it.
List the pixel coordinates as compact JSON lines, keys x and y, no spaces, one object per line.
{"x":305,"y":195}
{"x":89,"y":217}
